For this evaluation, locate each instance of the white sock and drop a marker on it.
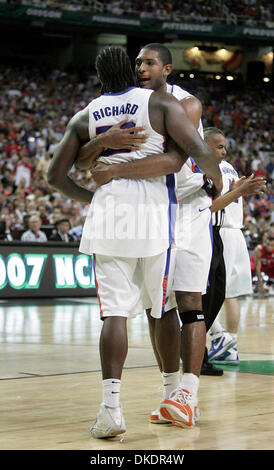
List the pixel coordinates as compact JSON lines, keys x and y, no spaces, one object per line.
{"x":216,"y":327}
{"x":111,"y":392}
{"x":190,"y":382}
{"x":171,"y":382}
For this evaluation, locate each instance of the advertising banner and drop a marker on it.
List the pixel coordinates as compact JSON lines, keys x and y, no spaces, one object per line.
{"x":123,"y":23}
{"x":45,"y":270}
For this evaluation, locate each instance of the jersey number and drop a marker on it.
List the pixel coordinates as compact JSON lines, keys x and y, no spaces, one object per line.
{"x":108,"y":152}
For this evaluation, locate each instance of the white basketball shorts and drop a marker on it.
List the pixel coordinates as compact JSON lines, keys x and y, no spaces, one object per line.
{"x":128,"y":286}
{"x":193,"y":256}
{"x":237,"y":263}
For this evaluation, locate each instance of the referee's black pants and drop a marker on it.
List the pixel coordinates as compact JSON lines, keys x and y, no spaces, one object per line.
{"x":215,"y":295}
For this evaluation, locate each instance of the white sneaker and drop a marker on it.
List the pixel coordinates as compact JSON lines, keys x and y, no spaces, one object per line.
{"x":181,"y":409}
{"x":220,"y":343}
{"x":229,"y":357}
{"x":109,"y":422}
{"x":156,"y":418}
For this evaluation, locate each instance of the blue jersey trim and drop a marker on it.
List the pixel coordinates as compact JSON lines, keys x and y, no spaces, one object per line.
{"x":172,"y":208}
{"x":195,"y":167}
{"x":165,"y":280}
{"x":120,"y":92}
{"x":211,"y":238}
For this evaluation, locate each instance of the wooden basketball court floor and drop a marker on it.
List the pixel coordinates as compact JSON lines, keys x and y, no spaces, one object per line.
{"x":51,"y":383}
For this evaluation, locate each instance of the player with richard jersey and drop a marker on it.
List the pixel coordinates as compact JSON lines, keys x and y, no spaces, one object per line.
{"x":131,"y":266}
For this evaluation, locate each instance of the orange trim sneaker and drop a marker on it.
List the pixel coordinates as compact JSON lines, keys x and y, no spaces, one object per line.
{"x":181,"y":409}
{"x":109,"y":422}
{"x":155,"y":417}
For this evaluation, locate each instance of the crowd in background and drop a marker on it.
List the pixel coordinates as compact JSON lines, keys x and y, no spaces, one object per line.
{"x":244,"y":11}
{"x":248,"y":128}
{"x":252,"y":11}
{"x":35,"y":106}
{"x":34,"y":110}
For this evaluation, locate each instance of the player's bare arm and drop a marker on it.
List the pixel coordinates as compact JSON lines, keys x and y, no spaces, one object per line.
{"x":116,"y":137}
{"x":243,"y":187}
{"x":76,"y":134}
{"x":174,"y":121}
{"x":148,"y":167}
{"x":193,"y":109}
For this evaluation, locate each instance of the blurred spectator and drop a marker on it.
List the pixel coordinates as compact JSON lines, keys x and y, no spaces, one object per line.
{"x":6,"y":223}
{"x":43,"y":214}
{"x":34,"y":234}
{"x":270,"y":169}
{"x":7,"y":179}
{"x":56,"y":214}
{"x":245,"y":11}
{"x":260,"y":171}
{"x":23,"y":171}
{"x":262,"y":262}
{"x":262,"y":207}
{"x":43,"y":164}
{"x":61,"y":234}
{"x":20,"y":210}
{"x":251,"y":234}
{"x":75,"y":213}
{"x":256,"y":160}
{"x":76,"y":231}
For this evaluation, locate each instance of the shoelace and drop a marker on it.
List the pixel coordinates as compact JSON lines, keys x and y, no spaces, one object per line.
{"x":182,"y":396}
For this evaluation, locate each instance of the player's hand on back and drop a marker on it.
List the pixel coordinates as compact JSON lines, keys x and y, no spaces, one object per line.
{"x":120,"y":136}
{"x":101,"y":173}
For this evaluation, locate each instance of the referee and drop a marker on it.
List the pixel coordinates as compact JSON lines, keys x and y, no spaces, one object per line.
{"x":214,"y":298}
{"x":215,"y":295}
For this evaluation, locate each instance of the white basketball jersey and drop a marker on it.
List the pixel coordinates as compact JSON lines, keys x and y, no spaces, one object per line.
{"x":189,"y":179}
{"x":129,"y":217}
{"x":233,"y":213}
{"x":111,"y":108}
{"x":182,"y":94}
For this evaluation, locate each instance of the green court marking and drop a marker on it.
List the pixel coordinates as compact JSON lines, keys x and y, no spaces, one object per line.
{"x":253,"y":367}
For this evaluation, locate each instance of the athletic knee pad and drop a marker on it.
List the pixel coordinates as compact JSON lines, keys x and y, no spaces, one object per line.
{"x":192,"y":316}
